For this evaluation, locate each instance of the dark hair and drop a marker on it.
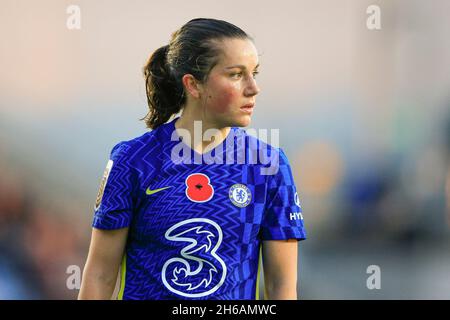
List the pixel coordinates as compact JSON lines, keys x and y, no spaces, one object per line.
{"x":193,"y":49}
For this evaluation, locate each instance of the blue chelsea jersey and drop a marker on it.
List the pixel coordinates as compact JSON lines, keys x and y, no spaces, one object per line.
{"x":195,"y":227}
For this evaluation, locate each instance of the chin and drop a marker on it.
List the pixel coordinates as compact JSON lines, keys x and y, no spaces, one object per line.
{"x":243,"y":121}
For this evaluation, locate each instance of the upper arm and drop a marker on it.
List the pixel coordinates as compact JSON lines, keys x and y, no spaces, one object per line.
{"x":281,"y":229}
{"x":106,"y":251}
{"x":102,"y":266}
{"x":113,"y":212}
{"x":280,"y":267}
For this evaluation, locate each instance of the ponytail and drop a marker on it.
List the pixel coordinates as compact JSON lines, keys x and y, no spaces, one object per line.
{"x":164,"y":93}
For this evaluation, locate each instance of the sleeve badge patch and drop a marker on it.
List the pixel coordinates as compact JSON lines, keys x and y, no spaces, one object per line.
{"x":101,"y":190}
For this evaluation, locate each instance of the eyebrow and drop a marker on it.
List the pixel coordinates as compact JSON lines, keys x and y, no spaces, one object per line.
{"x":240,"y":66}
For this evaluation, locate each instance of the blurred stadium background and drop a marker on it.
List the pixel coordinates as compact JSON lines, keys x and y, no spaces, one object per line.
{"x":364,"y":117}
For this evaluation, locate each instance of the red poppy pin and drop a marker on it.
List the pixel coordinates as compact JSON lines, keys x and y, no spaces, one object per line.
{"x":198,"y":187}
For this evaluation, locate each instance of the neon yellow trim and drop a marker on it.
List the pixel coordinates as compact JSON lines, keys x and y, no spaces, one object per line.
{"x":123,"y":273}
{"x":259,"y":271}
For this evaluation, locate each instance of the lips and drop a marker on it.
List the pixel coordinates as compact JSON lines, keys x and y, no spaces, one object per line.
{"x":248,"y":106}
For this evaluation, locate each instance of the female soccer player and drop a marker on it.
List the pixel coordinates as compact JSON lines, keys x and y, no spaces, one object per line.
{"x":187,"y":218}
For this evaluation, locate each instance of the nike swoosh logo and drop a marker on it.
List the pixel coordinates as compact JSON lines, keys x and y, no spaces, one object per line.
{"x":149,"y":192}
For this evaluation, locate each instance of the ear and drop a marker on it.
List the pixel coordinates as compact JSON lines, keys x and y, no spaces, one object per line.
{"x":191,"y":85}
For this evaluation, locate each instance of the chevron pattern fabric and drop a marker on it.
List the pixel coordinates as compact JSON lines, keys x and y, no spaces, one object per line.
{"x":195,"y":230}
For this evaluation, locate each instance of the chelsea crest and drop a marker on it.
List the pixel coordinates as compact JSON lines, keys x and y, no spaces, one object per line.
{"x":240,"y":195}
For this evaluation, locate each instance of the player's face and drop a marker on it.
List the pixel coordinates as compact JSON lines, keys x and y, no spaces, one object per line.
{"x":231,"y":85}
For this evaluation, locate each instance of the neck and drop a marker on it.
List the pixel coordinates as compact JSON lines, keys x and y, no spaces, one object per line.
{"x":197,"y":125}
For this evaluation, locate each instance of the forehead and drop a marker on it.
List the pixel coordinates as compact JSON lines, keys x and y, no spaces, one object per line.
{"x":238,"y":52}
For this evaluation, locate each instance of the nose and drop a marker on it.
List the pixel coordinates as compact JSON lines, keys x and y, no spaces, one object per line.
{"x":252,"y":88}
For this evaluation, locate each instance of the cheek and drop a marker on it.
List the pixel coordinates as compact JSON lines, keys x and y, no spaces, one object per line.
{"x":222,"y":100}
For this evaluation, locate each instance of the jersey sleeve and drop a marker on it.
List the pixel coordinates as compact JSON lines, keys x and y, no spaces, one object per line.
{"x":282,"y":217}
{"x":114,"y":203}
